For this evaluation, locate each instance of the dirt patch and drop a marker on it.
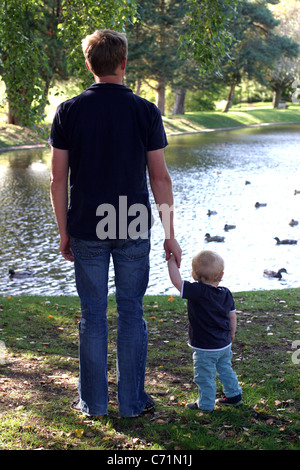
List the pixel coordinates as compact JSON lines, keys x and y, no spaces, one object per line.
{"x":24,"y":382}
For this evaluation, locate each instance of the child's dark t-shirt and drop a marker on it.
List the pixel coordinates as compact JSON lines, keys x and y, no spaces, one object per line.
{"x":208,"y":313}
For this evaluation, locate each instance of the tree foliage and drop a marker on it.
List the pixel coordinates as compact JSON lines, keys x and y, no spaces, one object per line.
{"x":154,"y":44}
{"x":82,"y":17}
{"x":23,"y":58}
{"x":286,"y":68}
{"x":210,"y":34}
{"x":37,"y":40}
{"x":255,"y":45}
{"x":171,"y":42}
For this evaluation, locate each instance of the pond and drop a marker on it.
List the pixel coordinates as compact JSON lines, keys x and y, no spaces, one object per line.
{"x":209,"y":172}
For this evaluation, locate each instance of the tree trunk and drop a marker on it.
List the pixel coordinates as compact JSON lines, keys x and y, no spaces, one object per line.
{"x":138,"y":84}
{"x":277,"y":94}
{"x":230,"y":98}
{"x":179,"y":101}
{"x":160,"y":97}
{"x":12,"y":118}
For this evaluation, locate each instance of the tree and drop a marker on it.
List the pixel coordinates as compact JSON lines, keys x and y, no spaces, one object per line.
{"x":22,"y":59}
{"x":53,"y":44}
{"x":287,"y":68}
{"x":255,"y":46}
{"x":82,"y":17}
{"x":154,"y":44}
{"x":210,"y":33}
{"x":40,"y":39}
{"x":173,"y":40}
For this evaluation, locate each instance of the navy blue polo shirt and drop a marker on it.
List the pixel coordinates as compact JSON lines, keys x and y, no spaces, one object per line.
{"x":107,"y":130}
{"x":208,"y":313}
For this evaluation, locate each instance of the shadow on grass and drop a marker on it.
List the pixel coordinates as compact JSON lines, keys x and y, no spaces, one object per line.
{"x":39,"y":380}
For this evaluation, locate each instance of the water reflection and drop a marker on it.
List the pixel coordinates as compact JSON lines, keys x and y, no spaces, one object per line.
{"x":208,"y":172}
{"x":28,"y":230}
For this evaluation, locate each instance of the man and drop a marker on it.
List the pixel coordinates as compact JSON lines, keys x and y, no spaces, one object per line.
{"x":107,"y":137}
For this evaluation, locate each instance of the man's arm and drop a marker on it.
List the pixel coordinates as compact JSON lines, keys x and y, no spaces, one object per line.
{"x":59,"y":197}
{"x":161,"y":186}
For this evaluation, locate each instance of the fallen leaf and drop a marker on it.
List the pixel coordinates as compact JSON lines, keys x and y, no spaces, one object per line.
{"x":79,"y":432}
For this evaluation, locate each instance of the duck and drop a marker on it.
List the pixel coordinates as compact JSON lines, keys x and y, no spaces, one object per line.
{"x":293,"y":222}
{"x":19,"y":274}
{"x":215,"y":238}
{"x":247,"y":182}
{"x":269,"y":273}
{"x":229,"y":227}
{"x":285,"y":242}
{"x":211,"y":212}
{"x":260,"y":204}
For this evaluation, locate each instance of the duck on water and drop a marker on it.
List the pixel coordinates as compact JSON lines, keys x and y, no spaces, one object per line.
{"x":285,"y":242}
{"x":271,"y":274}
{"x":19,"y":274}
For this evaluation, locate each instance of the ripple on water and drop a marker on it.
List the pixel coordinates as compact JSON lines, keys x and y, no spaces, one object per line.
{"x":208,"y":172}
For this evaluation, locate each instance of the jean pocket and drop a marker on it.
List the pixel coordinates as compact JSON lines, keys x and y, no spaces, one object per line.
{"x":135,"y":249}
{"x":87,"y":248}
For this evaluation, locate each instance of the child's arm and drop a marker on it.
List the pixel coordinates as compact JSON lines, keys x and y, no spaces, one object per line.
{"x":174,"y":273}
{"x":232,"y":317}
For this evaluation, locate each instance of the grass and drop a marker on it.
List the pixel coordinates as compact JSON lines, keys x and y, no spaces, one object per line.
{"x":39,"y":378}
{"x":236,"y":117}
{"x":16,"y":136}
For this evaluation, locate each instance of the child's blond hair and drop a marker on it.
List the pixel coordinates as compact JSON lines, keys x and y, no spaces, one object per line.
{"x":207,"y":267}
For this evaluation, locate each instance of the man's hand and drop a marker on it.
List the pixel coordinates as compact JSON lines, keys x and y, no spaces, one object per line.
{"x":65,"y":248}
{"x":172,"y":247}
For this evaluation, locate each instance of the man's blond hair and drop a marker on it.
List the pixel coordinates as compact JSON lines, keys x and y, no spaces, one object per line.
{"x":207,"y":266}
{"x":104,"y":51}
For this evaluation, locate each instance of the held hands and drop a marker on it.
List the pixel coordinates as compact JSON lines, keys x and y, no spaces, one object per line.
{"x":172,"y":248}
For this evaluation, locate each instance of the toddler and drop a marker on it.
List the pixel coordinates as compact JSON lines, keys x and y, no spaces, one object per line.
{"x":212,"y":327}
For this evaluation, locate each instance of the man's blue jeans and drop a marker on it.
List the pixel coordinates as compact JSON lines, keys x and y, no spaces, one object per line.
{"x":131,"y":265}
{"x":209,"y":365}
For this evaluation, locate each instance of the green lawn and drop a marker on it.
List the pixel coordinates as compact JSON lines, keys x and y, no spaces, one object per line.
{"x":202,"y":121}
{"x":236,"y":117}
{"x":39,"y":378}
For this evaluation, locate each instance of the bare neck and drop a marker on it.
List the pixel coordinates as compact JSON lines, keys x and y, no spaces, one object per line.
{"x":109,"y":79}
{"x":116,"y":78}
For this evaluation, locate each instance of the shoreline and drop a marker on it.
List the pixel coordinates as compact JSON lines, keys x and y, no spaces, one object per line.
{"x":22,"y":147}
{"x":222,"y":129}
{"x":168,"y":297}
{"x":171,"y":134}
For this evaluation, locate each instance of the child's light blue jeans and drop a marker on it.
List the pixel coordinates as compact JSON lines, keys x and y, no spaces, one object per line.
{"x":209,"y":365}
